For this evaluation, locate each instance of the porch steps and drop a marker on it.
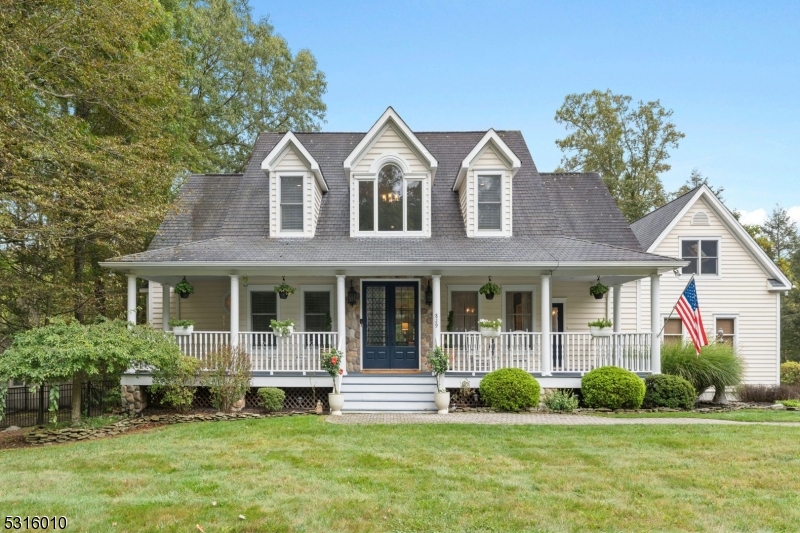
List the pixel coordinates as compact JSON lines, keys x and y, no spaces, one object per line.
{"x":372,"y":393}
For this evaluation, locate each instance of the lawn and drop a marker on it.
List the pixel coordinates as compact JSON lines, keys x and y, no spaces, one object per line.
{"x":742,"y":415}
{"x":303,"y":474}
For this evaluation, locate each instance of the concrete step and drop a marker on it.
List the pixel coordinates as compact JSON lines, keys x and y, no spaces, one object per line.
{"x":392,"y":396}
{"x":428,"y":388}
{"x":388,"y":380}
{"x":388,"y":406}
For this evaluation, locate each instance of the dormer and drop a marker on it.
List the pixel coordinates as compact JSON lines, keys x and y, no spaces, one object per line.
{"x":484,"y":187}
{"x":390,"y":174}
{"x":296,"y":186}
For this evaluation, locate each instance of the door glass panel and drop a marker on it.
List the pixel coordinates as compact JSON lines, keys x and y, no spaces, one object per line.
{"x":519,"y":311}
{"x":404,"y":312}
{"x":414,"y":205}
{"x":554,"y":321}
{"x":390,"y":199}
{"x":376,"y":316}
{"x":264,"y":307}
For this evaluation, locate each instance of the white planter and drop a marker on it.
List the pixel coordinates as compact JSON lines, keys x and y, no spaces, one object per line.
{"x":600,"y":332}
{"x":442,"y":400}
{"x":336,"y":401}
{"x":287,"y":334}
{"x":182,"y":330}
{"x":490,"y":332}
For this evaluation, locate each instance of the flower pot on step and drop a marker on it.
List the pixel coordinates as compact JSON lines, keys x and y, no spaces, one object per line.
{"x":336,"y":401}
{"x":442,"y":400}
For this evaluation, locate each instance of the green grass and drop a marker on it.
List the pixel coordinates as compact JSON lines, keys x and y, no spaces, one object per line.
{"x":742,"y":415}
{"x":305,"y":475}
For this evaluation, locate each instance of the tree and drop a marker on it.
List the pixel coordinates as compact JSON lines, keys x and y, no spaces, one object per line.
{"x":628,"y":147}
{"x":242,"y":80}
{"x":782,"y":233}
{"x":790,"y":314}
{"x":695,"y":180}
{"x":66,"y":350}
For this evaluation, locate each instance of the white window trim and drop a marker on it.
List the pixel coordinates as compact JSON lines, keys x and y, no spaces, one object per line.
{"x":521,"y":288}
{"x":503,"y":231}
{"x":407,"y":176}
{"x":717,"y":238}
{"x":279,"y":181}
{"x":317,"y":288}
{"x":728,"y":316}
{"x":260,"y":288}
{"x":463,"y":288}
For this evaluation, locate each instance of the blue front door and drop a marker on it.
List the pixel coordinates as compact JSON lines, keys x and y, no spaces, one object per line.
{"x":391,"y":324}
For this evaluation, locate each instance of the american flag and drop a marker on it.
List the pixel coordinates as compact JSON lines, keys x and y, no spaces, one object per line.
{"x":689,"y":311}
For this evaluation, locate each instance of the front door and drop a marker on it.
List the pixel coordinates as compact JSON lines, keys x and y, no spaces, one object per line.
{"x":390,"y":320}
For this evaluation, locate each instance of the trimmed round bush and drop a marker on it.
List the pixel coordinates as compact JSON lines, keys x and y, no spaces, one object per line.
{"x":790,"y":373}
{"x":612,"y":387}
{"x":271,"y":398}
{"x":664,"y":390}
{"x":510,"y":389}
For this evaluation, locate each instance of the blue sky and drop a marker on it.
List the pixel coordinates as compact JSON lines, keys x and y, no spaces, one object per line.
{"x":730,"y":71}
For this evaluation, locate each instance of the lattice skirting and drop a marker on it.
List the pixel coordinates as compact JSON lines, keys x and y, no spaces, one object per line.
{"x":296,"y":398}
{"x":471,"y":399}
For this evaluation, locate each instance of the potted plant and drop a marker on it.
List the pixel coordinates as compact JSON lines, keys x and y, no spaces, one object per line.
{"x":439,"y":364}
{"x":489,"y":289}
{"x":598,"y":290}
{"x":184,"y":288}
{"x":181,"y":327}
{"x":282,"y":328}
{"x":600,"y":327}
{"x":330,"y":364}
{"x":490,"y":328}
{"x":284,"y":290}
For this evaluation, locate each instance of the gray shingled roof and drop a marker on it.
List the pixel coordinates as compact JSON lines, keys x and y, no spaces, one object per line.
{"x":649,"y":227}
{"x":564,"y":217}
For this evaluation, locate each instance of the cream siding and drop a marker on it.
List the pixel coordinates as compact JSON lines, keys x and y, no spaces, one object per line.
{"x":317,"y":205}
{"x":741,"y":289}
{"x":390,"y":142}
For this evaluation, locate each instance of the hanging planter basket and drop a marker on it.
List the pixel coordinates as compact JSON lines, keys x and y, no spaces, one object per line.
{"x":284,"y":290}
{"x":184,"y":288}
{"x":598,"y":290}
{"x":489,"y":289}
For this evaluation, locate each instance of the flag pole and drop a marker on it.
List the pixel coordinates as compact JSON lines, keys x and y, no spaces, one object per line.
{"x":673,"y":308}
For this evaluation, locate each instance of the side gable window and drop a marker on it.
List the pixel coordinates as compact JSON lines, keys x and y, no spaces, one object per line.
{"x":490,"y":197}
{"x":390,"y":203}
{"x":291,"y":203}
{"x":703,"y":256}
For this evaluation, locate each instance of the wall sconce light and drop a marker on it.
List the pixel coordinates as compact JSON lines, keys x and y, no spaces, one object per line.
{"x":352,"y":295}
{"x":429,"y":294}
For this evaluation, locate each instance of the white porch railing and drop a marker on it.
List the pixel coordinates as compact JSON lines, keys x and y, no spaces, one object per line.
{"x":571,"y":352}
{"x":299,"y":352}
{"x":471,"y":352}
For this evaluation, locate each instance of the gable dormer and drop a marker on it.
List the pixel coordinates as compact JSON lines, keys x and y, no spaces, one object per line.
{"x":390,"y":174}
{"x":484,"y":187}
{"x":296,"y":186}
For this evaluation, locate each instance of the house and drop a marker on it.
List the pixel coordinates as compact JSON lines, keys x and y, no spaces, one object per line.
{"x":388,"y":235}
{"x":739,"y":287}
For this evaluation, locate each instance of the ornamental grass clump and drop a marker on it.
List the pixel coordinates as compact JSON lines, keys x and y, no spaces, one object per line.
{"x":560,"y":400}
{"x":664,"y":390}
{"x":611,"y":387}
{"x":510,"y":389}
{"x":716,"y":366}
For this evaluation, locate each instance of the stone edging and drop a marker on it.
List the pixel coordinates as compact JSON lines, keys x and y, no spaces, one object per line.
{"x":44,"y":437}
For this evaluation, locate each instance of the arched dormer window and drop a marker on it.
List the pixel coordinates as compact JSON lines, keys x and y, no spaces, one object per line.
{"x":391,"y":202}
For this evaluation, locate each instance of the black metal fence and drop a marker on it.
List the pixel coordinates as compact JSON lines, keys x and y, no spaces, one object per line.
{"x":26,"y":408}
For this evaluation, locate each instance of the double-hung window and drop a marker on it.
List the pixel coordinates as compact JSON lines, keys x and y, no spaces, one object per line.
{"x":390,"y":203}
{"x":291,"y":203}
{"x":519,"y":311}
{"x":317,"y":310}
{"x":465,"y":310}
{"x":263,"y":309}
{"x":673,"y":331}
{"x":725,"y":330}
{"x":703,"y":256}
{"x":490,"y":197}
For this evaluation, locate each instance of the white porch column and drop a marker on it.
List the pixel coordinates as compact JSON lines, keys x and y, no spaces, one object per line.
{"x":341,"y":320}
{"x":655,"y":323}
{"x":165,"y":307}
{"x":617,"y":293}
{"x":547,"y":360}
{"x":131,"y":298}
{"x":436,"y":310}
{"x":234,"y":311}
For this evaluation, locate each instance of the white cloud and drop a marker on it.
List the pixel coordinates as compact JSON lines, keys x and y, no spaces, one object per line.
{"x":759,"y":216}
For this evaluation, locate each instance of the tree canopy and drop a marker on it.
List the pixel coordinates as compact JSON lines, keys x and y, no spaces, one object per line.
{"x":629,"y":146}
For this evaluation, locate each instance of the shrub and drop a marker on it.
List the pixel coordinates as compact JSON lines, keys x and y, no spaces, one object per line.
{"x":790,"y":403}
{"x":717,"y":365}
{"x":227,"y":377}
{"x":790,"y":373}
{"x":612,"y":387}
{"x":271,"y":398}
{"x":664,"y":390}
{"x":175,"y":377}
{"x":561,"y":400}
{"x":768,"y":393}
{"x":510,"y":389}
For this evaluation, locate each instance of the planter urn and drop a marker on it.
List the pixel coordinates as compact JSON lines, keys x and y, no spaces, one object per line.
{"x":336,"y":401}
{"x":442,"y":400}
{"x":290,"y":330}
{"x":490,"y":332}
{"x":182,"y":330}
{"x":600,"y":332}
